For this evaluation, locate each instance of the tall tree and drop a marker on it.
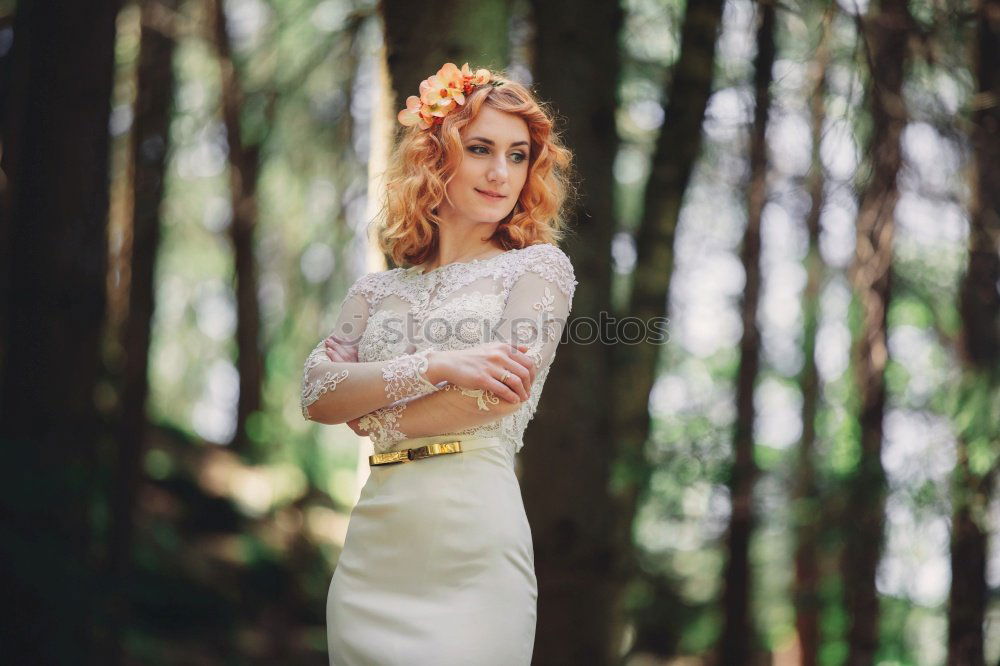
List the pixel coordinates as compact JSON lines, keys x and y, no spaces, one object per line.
{"x":244,"y":168}
{"x":249,"y":116}
{"x":6,"y":22}
{"x":150,"y":140}
{"x":420,"y":37}
{"x":570,"y":447}
{"x":978,"y":441}
{"x":736,"y":643}
{"x":885,"y":31}
{"x":55,"y":161}
{"x":678,"y":147}
{"x":805,"y":494}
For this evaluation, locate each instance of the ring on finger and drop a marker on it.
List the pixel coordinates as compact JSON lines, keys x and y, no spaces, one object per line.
{"x":504,"y":376}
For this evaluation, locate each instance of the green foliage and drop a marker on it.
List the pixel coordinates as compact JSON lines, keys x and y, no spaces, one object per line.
{"x":833,"y":622}
{"x":976,"y":412}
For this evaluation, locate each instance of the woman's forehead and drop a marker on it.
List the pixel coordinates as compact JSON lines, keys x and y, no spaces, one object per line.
{"x":497,"y":126}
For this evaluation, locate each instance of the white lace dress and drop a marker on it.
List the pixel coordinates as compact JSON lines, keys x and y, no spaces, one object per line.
{"x":437,"y":566}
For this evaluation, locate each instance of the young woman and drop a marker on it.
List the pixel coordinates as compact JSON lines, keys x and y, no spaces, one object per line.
{"x":442,"y":362}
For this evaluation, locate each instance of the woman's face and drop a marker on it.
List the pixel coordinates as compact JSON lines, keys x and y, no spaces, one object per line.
{"x":494,"y":166}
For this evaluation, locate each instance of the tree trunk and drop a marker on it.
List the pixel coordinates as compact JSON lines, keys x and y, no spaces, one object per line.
{"x":805,"y":495}
{"x":969,"y":550}
{"x":422,"y":36}
{"x":886,"y":31}
{"x":737,"y":643}
{"x":980,"y":353}
{"x":150,"y":140}
{"x":55,"y":159}
{"x":244,"y":166}
{"x":635,"y":365}
{"x":6,"y":71}
{"x":569,"y":447}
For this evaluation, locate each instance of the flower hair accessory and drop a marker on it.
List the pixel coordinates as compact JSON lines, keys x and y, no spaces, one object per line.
{"x":443,"y":93}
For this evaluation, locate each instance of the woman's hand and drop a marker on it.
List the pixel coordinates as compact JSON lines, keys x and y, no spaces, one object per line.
{"x":482,"y":367}
{"x":339,"y":352}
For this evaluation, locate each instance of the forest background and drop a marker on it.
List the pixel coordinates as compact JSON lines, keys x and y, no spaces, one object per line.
{"x":810,"y":193}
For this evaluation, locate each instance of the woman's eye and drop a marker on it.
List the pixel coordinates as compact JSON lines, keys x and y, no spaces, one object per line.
{"x":519,"y":157}
{"x":476,"y":150}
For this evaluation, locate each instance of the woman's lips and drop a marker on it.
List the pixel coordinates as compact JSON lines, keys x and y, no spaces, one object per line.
{"x":491,"y":197}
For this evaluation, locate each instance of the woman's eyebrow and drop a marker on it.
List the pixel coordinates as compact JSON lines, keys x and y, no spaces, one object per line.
{"x":490,"y":141}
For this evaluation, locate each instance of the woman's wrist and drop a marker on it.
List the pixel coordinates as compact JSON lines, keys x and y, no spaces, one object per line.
{"x":436,"y":367}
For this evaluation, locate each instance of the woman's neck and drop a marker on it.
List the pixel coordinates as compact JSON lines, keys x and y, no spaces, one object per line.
{"x":453,"y":250}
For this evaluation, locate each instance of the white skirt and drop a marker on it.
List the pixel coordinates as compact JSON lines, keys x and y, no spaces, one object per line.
{"x":438,"y":565}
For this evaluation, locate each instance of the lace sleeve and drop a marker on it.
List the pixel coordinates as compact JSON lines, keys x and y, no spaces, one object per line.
{"x":406,"y":380}
{"x":338,"y":392}
{"x":538,"y":309}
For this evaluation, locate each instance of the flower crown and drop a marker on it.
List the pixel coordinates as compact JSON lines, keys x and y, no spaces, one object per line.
{"x":443,"y":93}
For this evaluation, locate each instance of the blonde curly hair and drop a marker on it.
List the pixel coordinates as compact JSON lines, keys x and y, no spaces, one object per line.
{"x":424,"y":161}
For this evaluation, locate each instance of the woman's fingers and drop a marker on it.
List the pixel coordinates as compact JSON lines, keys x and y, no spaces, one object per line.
{"x":502,"y":390}
{"x":339,"y":356}
{"x":525,"y":361}
{"x":518,"y":379}
{"x":340,"y":353}
{"x":502,"y":364}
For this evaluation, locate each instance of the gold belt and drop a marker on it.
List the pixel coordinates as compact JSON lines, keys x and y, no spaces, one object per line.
{"x":406,"y":455}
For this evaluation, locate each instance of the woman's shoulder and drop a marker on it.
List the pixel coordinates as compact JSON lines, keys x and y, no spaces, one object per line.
{"x":547,"y":253}
{"x":371,"y":285}
{"x":550,"y":262}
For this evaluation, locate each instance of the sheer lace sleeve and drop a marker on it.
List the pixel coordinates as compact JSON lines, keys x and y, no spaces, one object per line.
{"x":536,"y":313}
{"x":338,"y":392}
{"x":539,"y":305}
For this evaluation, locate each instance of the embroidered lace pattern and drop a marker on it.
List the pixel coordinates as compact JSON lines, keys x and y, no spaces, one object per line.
{"x":548,"y":260}
{"x":458,"y":306}
{"x":404,"y":377}
{"x":312,"y":390}
{"x":381,"y":426}
{"x":483,"y":398}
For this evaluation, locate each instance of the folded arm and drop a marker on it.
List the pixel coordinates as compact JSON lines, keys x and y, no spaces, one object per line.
{"x":334,"y":392}
{"x":450,"y":409}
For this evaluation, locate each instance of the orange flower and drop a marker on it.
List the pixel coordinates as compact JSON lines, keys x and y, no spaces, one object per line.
{"x":480,"y":78}
{"x":441,"y":94}
{"x":413,"y":113}
{"x":443,"y":90}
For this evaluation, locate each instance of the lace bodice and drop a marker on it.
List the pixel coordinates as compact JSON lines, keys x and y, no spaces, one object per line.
{"x":396,"y":317}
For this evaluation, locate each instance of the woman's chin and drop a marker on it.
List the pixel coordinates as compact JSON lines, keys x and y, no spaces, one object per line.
{"x":492,"y":216}
{"x":498,"y":216}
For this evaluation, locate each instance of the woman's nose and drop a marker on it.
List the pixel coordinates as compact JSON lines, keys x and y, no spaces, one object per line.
{"x":498,"y":171}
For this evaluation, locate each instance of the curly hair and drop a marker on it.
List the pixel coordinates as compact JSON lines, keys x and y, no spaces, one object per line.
{"x":424,"y":161}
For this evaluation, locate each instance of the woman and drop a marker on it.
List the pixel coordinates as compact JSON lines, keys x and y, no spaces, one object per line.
{"x":442,"y":364}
